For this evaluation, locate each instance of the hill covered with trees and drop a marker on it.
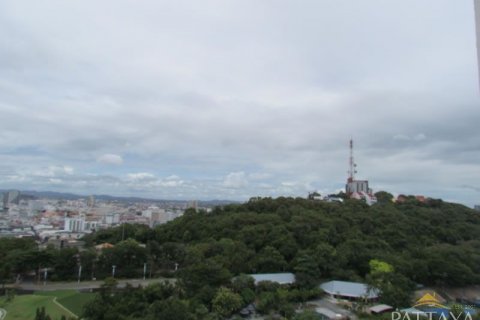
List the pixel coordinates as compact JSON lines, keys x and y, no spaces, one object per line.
{"x":432,"y":243}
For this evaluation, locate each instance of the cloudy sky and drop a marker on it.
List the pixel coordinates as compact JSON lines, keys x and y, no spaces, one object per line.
{"x":232,"y":99}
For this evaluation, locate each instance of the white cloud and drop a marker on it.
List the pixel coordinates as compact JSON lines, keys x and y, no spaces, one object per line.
{"x":403,"y":137}
{"x":258,"y":176}
{"x":171,"y":183}
{"x":140,"y":176}
{"x":113,"y":159}
{"x":68,"y":170}
{"x":235,"y":180}
{"x":419,"y":137}
{"x":53,"y":171}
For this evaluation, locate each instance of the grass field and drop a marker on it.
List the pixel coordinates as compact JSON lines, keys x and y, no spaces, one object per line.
{"x":70,"y":299}
{"x":23,"y":307}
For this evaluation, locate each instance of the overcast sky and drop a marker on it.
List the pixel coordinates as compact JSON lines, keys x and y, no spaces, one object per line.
{"x":233,"y":99}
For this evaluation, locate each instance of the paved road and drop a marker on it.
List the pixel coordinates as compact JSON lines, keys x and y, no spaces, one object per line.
{"x":84,"y":285}
{"x":326,"y":303}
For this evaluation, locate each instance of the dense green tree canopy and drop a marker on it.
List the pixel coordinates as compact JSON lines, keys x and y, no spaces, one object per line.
{"x":390,"y":245}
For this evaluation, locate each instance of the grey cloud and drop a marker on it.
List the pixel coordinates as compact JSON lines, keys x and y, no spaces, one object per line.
{"x":239,"y":98}
{"x":114,"y":159}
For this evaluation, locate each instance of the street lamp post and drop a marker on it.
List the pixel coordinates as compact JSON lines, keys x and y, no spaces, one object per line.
{"x":45,"y":274}
{"x":79,"y":273}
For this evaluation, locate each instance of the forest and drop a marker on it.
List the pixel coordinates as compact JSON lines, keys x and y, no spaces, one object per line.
{"x":422,"y":243}
{"x":432,"y":243}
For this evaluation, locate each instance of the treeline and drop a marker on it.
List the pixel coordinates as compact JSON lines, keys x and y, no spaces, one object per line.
{"x":173,"y":302}
{"x":432,"y":243}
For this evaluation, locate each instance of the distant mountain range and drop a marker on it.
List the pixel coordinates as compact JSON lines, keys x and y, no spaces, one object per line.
{"x":28,"y":194}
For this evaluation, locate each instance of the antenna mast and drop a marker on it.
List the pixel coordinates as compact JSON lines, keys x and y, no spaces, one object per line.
{"x":351,"y":171}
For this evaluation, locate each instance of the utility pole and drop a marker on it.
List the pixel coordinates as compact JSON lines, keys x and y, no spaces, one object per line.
{"x":144,"y":270}
{"x":45,"y":274}
{"x":113,"y":271}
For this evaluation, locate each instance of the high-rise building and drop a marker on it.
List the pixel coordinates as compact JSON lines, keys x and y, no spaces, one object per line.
{"x":74,"y":224}
{"x":193,"y":204}
{"x":11,"y":197}
{"x":91,"y":201}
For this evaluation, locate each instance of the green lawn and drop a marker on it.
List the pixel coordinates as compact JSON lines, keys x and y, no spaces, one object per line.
{"x":23,"y":307}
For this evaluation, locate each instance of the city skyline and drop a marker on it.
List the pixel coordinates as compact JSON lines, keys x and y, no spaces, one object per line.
{"x":218,"y":100}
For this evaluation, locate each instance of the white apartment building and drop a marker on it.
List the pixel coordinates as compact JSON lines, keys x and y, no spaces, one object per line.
{"x":74,"y":224}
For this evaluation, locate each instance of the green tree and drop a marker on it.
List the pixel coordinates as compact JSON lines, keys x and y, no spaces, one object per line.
{"x":395,"y":289}
{"x":226,"y":302}
{"x":384,"y":197}
{"x":40,"y":314}
{"x":306,"y":269}
{"x":270,"y":260}
{"x":242,"y":282}
{"x":170,"y":309}
{"x":307,"y":315}
{"x":205,"y":273}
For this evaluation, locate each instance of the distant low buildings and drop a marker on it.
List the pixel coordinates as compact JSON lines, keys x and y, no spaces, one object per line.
{"x":367,"y":197}
{"x":318,"y":197}
{"x":49,"y":219}
{"x":402,"y":198}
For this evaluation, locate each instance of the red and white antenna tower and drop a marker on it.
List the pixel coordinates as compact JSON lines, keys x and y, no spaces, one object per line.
{"x":353,"y":165}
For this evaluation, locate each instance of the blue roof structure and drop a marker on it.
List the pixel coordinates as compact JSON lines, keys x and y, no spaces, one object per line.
{"x":281,"y":278}
{"x":349,"y":289}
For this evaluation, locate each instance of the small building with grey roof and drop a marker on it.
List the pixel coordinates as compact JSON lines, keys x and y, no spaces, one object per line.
{"x":280,"y":278}
{"x":327,"y":314}
{"x":349,"y":290}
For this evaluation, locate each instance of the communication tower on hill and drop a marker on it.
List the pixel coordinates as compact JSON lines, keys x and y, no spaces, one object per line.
{"x":357,"y":189}
{"x":352,"y":171}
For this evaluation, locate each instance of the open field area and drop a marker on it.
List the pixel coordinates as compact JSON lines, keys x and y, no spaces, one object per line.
{"x":57,"y":303}
{"x":70,"y":299}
